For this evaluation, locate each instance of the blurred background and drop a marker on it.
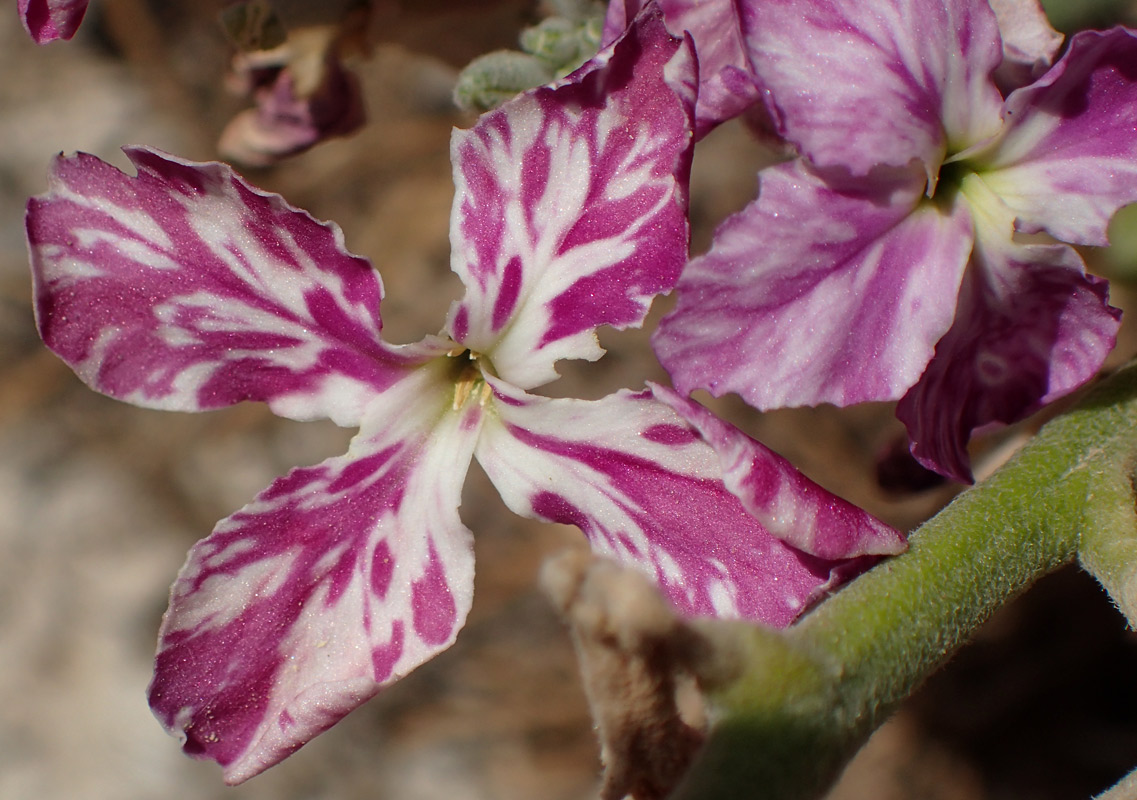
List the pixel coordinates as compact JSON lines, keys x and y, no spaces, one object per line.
{"x":100,"y":501}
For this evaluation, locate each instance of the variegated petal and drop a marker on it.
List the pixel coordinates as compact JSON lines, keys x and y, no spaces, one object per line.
{"x":1029,"y":42}
{"x":787,"y":503}
{"x":1031,"y":327}
{"x":334,"y":582}
{"x":818,"y":292}
{"x":570,"y":211}
{"x":185,"y":288}
{"x":862,"y":84}
{"x":636,"y":478}
{"x":726,"y":85}
{"x":1068,"y":159}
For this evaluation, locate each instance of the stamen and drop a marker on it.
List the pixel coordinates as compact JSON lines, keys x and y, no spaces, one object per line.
{"x":468,"y":377}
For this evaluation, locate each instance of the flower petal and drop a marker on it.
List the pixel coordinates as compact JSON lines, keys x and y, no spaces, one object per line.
{"x":726,"y":85}
{"x":1031,"y":327}
{"x":570,"y":210}
{"x":647,"y":491}
{"x":48,"y":20}
{"x":1068,"y":159}
{"x":1029,"y":42}
{"x":184,"y":288}
{"x":788,"y":504}
{"x":818,"y":293}
{"x":862,"y":84}
{"x":336,"y":581}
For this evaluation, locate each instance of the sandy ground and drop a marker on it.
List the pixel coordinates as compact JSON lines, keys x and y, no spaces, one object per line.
{"x":100,"y":501}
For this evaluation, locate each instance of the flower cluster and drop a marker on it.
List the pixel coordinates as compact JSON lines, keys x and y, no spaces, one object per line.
{"x":916,"y":248}
{"x":184,"y":288}
{"x":897,"y":258}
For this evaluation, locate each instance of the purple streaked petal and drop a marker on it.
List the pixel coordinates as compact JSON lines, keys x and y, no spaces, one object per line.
{"x":862,"y":84}
{"x":334,"y":582}
{"x":1029,"y":42}
{"x":817,"y":293}
{"x":1031,"y":327}
{"x":48,"y":20}
{"x":726,"y":85}
{"x":570,"y":206}
{"x":185,"y":288}
{"x":789,"y":505}
{"x":1068,"y":159}
{"x":646,"y":490}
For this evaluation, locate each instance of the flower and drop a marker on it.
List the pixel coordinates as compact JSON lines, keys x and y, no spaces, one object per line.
{"x":48,"y":20}
{"x":184,"y":288}
{"x":888,"y":261}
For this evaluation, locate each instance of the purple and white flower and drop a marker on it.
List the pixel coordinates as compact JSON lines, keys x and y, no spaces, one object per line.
{"x":888,"y":261}
{"x":184,"y":288}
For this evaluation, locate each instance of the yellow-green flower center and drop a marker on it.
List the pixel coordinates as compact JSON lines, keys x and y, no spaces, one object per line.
{"x":466,"y":372}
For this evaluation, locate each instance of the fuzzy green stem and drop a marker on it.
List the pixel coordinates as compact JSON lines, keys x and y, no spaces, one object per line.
{"x":811,"y":695}
{"x":1109,"y":543}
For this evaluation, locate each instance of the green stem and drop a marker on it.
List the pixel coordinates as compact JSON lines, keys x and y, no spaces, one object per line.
{"x":811,"y":695}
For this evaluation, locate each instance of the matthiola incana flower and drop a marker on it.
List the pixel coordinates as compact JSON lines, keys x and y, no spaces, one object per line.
{"x":184,"y":288}
{"x":888,"y":261}
{"x":48,"y":20}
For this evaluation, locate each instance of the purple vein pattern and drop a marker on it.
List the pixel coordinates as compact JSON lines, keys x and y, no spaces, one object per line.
{"x":186,"y":289}
{"x":568,"y":214}
{"x":642,"y":483}
{"x":335,"y":581}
